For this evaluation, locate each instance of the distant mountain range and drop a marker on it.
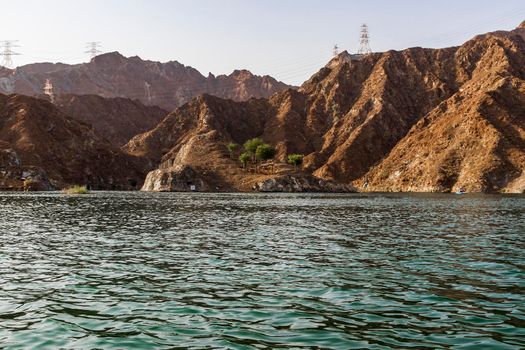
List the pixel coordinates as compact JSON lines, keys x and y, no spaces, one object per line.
{"x":167,"y":85}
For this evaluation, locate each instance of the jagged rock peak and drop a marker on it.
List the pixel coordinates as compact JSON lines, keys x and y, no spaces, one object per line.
{"x":343,"y":57}
{"x":521,"y":26}
{"x":340,"y":58}
{"x":243,"y":73}
{"x":206,"y":100}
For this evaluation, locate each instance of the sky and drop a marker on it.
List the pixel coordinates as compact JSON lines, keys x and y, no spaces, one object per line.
{"x":288,"y":39}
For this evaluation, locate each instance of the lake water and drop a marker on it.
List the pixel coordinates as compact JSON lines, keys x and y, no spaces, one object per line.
{"x":255,"y":271}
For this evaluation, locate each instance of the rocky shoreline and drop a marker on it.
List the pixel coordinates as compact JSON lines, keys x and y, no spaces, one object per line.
{"x":183,"y":178}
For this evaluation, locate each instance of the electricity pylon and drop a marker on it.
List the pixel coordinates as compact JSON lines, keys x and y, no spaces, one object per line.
{"x":364,"y":46}
{"x":93,"y":48}
{"x":8,"y":53}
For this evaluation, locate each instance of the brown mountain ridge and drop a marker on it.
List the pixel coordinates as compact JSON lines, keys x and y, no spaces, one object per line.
{"x":413,"y":120}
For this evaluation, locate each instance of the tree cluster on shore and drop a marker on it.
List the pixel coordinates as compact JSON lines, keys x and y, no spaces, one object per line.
{"x":256,"y":150}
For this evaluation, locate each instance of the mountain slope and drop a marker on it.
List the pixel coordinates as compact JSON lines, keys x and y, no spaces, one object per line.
{"x":480,"y":148}
{"x":474,"y":140}
{"x":116,"y":119}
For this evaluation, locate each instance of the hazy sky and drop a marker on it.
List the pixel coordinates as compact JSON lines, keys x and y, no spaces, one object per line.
{"x":289,"y":39}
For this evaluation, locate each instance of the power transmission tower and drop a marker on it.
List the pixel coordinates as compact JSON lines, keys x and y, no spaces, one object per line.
{"x":8,"y":53}
{"x":93,"y":48}
{"x":364,"y":46}
{"x":48,"y":90}
{"x":336,"y":50}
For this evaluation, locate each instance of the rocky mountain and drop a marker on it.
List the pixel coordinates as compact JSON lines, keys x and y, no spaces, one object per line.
{"x":195,"y":136}
{"x":42,"y":148}
{"x":412,"y":120}
{"x":168,"y":85}
{"x":116,"y":119}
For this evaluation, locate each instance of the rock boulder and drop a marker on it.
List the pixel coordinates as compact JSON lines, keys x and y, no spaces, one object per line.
{"x":177,"y":178}
{"x":301,"y":183}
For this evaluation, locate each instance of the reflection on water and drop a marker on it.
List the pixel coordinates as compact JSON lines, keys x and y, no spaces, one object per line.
{"x":247,"y":271}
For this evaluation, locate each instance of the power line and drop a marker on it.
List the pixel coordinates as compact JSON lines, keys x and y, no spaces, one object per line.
{"x":465,"y":32}
{"x":8,"y":53}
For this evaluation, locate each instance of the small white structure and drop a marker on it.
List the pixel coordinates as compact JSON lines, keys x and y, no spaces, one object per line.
{"x":48,"y":90}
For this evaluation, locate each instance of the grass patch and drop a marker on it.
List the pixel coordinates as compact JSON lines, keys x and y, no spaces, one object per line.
{"x":76,"y":190}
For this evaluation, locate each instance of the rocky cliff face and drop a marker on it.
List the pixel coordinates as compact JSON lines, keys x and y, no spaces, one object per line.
{"x":168,"y":85}
{"x":116,"y":119}
{"x":42,"y":147}
{"x":476,"y":138}
{"x":413,"y":120}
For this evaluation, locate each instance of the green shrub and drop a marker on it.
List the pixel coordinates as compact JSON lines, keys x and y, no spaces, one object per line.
{"x":295,"y":160}
{"x":232,"y":148}
{"x":76,"y":190}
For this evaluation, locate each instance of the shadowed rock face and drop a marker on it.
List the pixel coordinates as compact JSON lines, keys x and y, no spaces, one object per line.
{"x":38,"y":142}
{"x":15,"y":176}
{"x":411,"y":120}
{"x":168,"y":85}
{"x":116,"y":119}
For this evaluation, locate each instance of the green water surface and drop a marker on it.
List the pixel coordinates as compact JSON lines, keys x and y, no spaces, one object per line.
{"x":261,"y":271}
